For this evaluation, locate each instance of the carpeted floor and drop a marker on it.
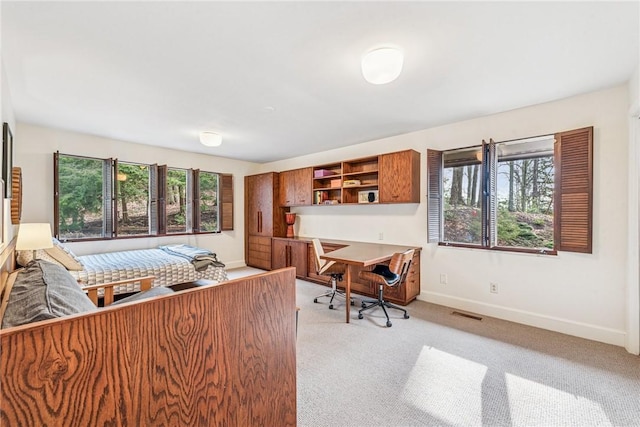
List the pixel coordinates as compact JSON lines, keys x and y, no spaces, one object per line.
{"x":446,"y":370}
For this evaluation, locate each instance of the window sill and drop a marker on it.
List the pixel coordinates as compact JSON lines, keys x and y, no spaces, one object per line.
{"x":502,"y":249}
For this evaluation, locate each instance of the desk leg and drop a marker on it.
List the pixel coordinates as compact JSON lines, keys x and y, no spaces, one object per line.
{"x":347,"y":292}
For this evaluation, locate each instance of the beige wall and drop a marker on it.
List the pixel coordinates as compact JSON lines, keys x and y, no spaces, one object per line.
{"x":6,"y":113}
{"x":579,"y":294}
{"x":34,"y":153}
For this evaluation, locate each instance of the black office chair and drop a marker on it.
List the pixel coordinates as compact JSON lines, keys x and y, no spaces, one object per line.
{"x":392,"y":275}
{"x":328,"y":268}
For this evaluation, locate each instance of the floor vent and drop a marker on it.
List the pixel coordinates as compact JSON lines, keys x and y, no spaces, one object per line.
{"x":467,"y":315}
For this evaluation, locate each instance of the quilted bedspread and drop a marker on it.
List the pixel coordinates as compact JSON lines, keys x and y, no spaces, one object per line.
{"x":168,"y":269}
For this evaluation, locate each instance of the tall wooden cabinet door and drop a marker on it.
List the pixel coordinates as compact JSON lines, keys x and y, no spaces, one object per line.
{"x":251,"y":213}
{"x":264,"y":195}
{"x":399,"y":177}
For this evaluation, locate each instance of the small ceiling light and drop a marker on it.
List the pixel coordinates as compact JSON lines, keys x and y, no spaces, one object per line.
{"x":383,"y":65}
{"x":210,"y":139}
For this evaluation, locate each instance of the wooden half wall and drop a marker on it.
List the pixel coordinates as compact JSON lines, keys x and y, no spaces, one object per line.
{"x":207,"y":356}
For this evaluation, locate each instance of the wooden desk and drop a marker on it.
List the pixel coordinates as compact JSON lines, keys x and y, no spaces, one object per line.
{"x":362,"y":254}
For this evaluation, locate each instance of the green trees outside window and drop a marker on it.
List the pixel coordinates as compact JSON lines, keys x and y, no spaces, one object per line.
{"x":507,"y":187}
{"x":105,"y":198}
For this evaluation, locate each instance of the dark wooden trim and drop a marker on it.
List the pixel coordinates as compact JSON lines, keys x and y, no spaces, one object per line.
{"x":225,"y":206}
{"x":573,"y":193}
{"x":500,"y":248}
{"x":434,"y":195}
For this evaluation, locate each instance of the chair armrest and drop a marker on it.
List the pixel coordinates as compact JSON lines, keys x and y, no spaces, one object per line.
{"x":92,"y":290}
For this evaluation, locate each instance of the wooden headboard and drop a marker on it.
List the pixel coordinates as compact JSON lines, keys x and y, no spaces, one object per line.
{"x":212,"y":355}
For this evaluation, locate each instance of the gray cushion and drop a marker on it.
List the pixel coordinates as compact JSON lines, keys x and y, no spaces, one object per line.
{"x":153,"y":292}
{"x":44,"y":290}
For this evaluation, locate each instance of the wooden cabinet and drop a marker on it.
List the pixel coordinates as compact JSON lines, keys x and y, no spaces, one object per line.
{"x":295,"y":187}
{"x":387,"y":178}
{"x":399,"y":175}
{"x":259,"y":252}
{"x":289,"y":253}
{"x":264,"y":218}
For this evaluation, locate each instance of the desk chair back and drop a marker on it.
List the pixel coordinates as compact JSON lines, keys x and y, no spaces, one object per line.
{"x":322,"y":265}
{"x":331,"y":269}
{"x":393,"y":274}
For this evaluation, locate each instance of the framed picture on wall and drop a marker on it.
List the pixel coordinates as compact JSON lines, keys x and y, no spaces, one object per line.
{"x":7,"y":158}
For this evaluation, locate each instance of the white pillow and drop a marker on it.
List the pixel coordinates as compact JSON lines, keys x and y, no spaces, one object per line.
{"x":57,"y":255}
{"x":64,"y":256}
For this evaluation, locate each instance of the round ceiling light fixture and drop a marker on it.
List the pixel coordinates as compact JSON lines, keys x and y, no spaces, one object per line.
{"x":210,"y":139}
{"x":382,"y":65}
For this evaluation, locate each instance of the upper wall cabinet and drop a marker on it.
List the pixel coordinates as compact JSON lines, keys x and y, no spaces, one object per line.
{"x":386,"y":178}
{"x":400,"y":177}
{"x":295,"y":187}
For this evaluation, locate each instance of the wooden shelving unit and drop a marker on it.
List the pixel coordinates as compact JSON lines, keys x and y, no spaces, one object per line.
{"x":327,"y":184}
{"x":359,"y":177}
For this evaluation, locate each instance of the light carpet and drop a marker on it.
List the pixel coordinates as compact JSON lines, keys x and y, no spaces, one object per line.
{"x":438,"y":369}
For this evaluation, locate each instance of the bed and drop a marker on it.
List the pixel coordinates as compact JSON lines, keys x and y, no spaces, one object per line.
{"x":169,"y":264}
{"x":211,"y":355}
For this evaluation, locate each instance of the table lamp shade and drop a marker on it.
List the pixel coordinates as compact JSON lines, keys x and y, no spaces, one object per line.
{"x":32,"y":237}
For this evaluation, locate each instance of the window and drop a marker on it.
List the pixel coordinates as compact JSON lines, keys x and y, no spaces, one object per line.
{"x":105,"y":198}
{"x":176,"y":201}
{"x":80,"y":197}
{"x":531,"y":195}
{"x":133,"y":199}
{"x":208,"y":198}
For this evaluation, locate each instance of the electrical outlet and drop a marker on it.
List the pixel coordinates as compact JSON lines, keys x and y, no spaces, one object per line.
{"x":380,"y":236}
{"x":443,"y":279}
{"x":493,"y":288}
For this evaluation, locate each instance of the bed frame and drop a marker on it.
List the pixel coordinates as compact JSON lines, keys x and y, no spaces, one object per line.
{"x":212,"y":355}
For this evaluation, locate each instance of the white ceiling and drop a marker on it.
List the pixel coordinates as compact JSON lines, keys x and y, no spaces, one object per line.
{"x":282,"y":79}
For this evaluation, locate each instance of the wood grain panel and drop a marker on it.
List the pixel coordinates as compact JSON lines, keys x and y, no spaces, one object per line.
{"x":399,"y":177}
{"x":213,"y":355}
{"x":434,"y":195}
{"x":573,"y":164}
{"x":16,"y":195}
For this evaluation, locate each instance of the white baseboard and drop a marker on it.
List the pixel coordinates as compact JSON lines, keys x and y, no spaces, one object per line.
{"x":565,"y":326}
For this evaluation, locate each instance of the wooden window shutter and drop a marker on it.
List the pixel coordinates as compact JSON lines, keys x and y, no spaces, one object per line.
{"x":56,"y":195}
{"x":195,"y":203}
{"x":226,"y":202}
{"x":109,"y":192}
{"x":434,"y":195}
{"x":153,"y":199}
{"x":162,"y":203}
{"x":573,"y":194}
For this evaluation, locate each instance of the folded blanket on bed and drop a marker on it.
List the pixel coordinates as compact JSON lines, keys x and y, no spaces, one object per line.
{"x":200,"y":258}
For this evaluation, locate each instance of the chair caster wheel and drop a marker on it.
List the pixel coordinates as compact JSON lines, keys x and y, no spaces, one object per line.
{"x":406,"y":316}
{"x":315,"y":300}
{"x":353,"y":302}
{"x":330,"y":306}
{"x":388,"y":324}
{"x":360,"y":316}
